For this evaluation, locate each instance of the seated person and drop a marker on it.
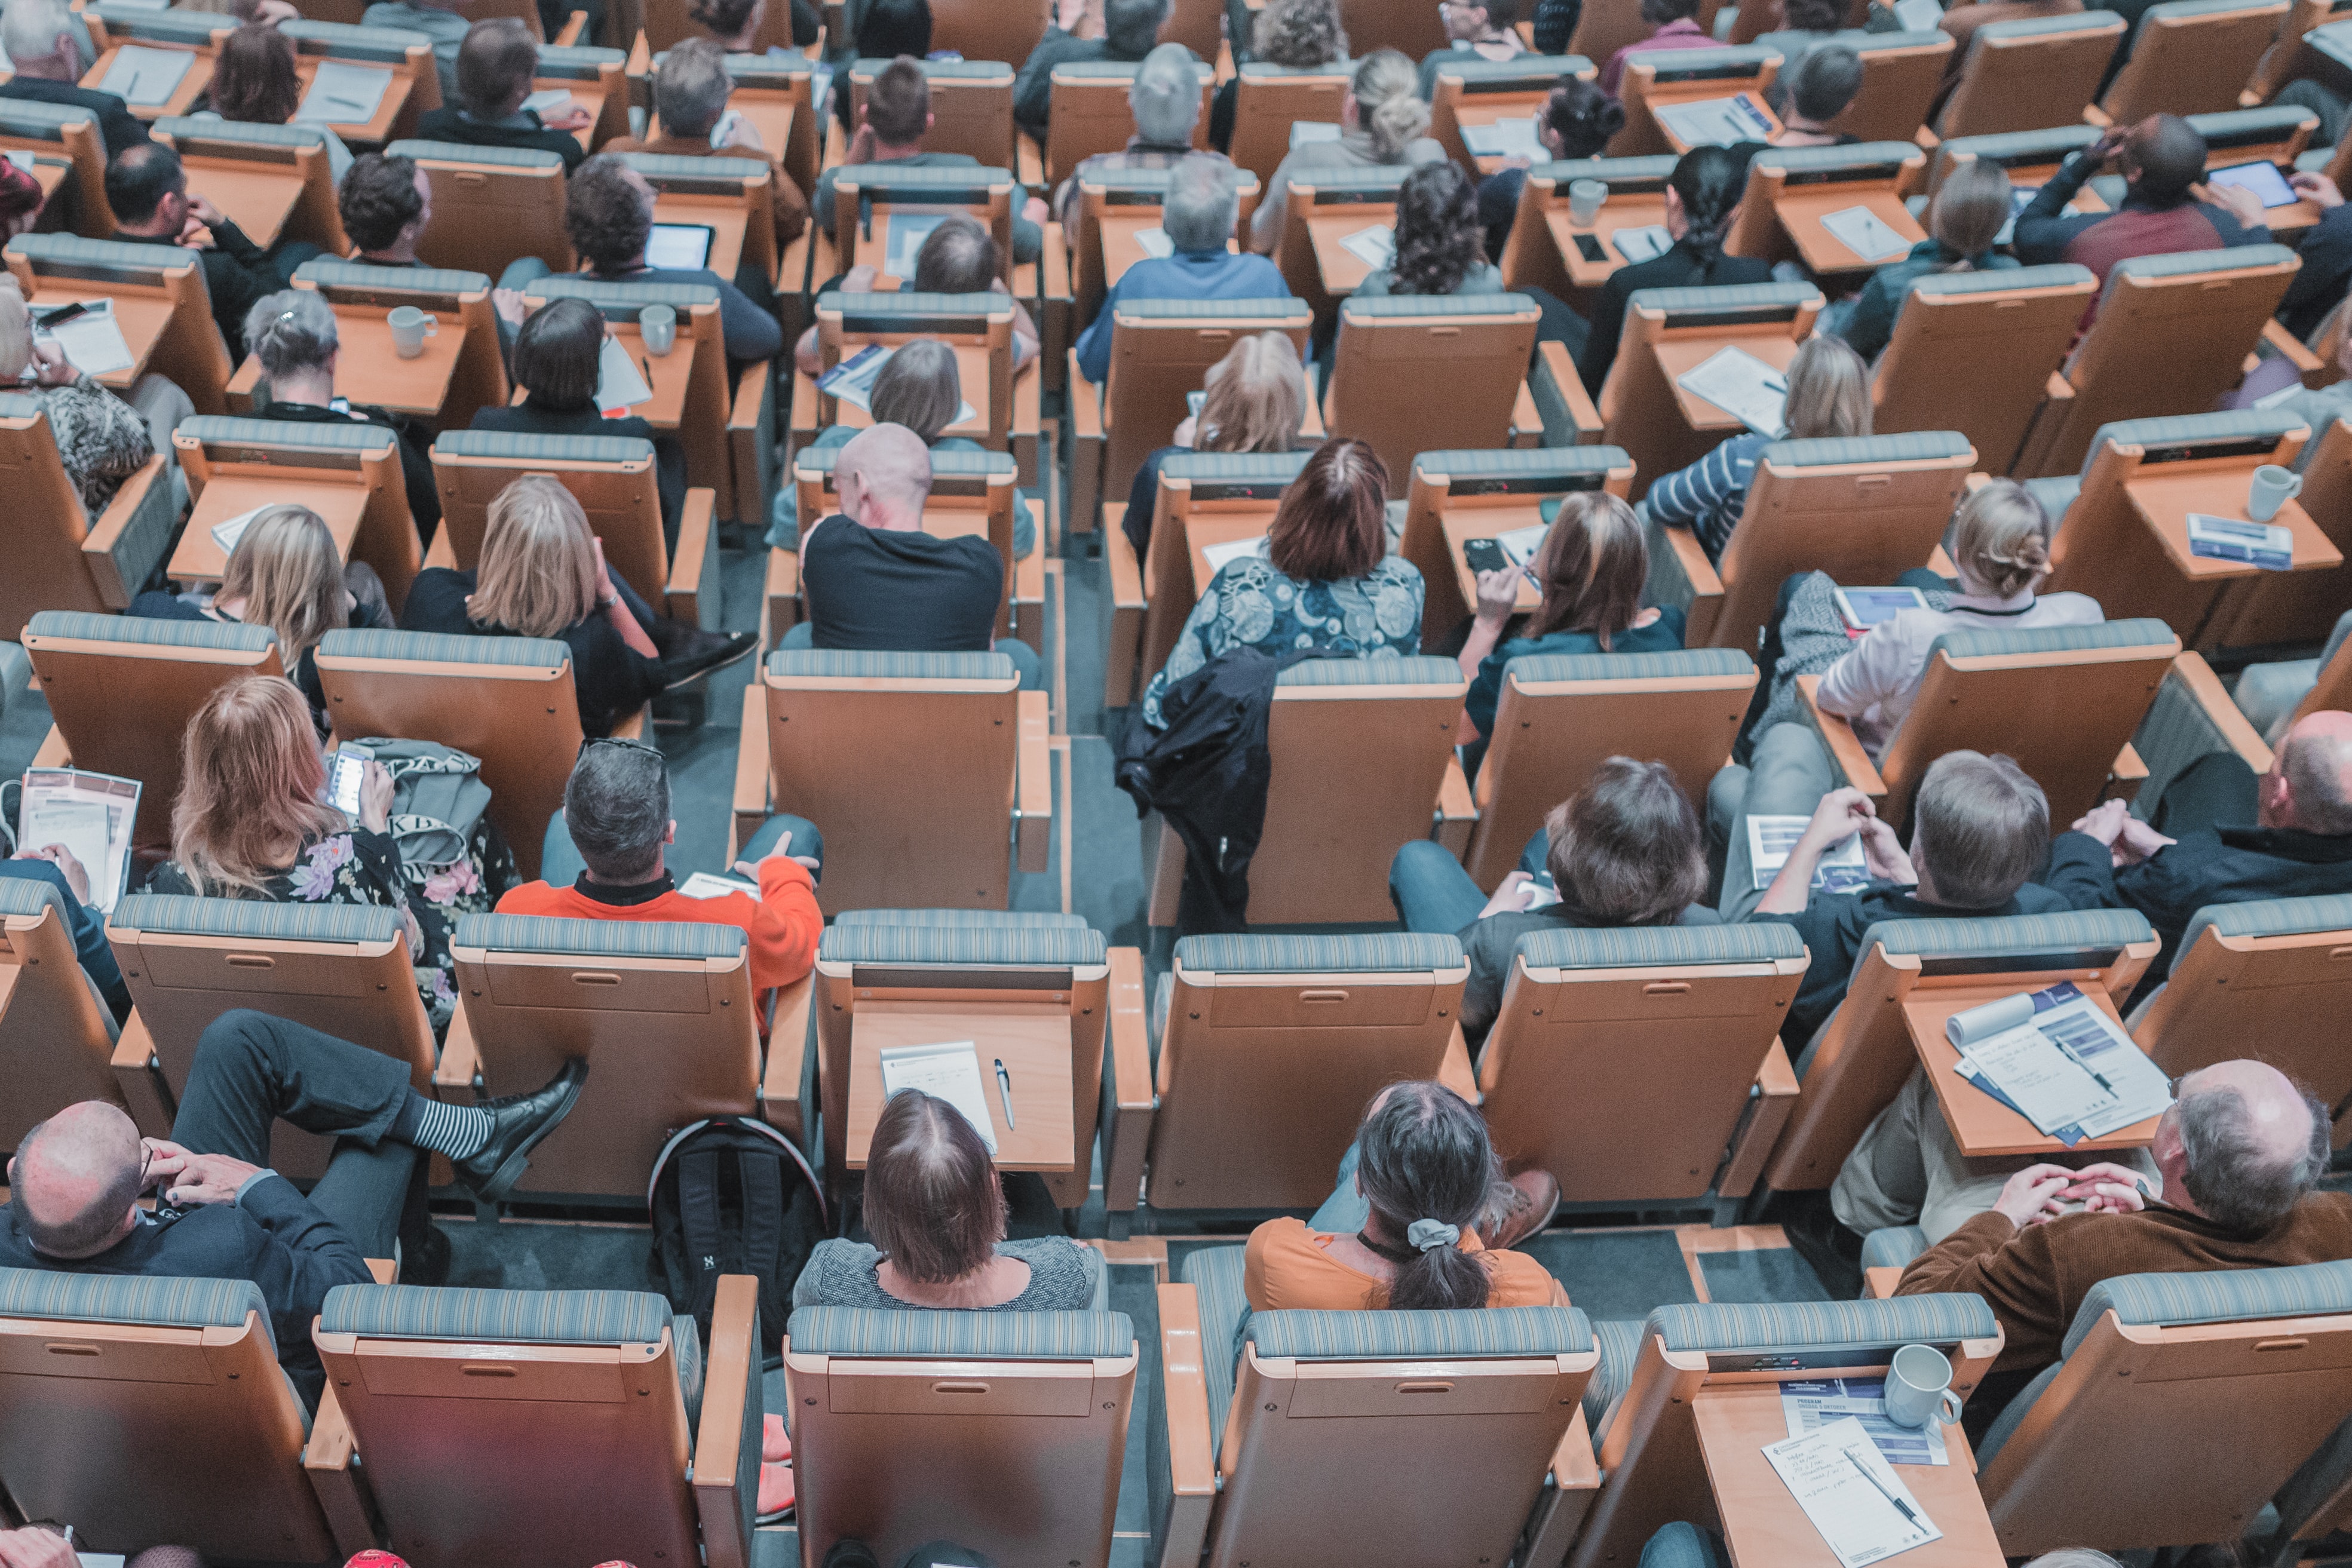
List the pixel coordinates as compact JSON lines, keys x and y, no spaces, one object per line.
{"x":959,"y":257}
{"x":936,"y":1210}
{"x":882,"y":30}
{"x":690,"y":93}
{"x":871,"y":578}
{"x":1590,"y":569}
{"x":734,"y":25}
{"x":2319,"y":407}
{"x":1626,"y":849}
{"x":1382,"y":123}
{"x":57,"y":865}
{"x":147,"y":191}
{"x":75,"y":1183}
{"x":2325,"y":253}
{"x":557,"y":357}
{"x":1165,"y":99}
{"x":608,"y":212}
{"x":253,"y":821}
{"x":1297,"y":34}
{"x":1575,"y":122}
{"x":1812,"y":91}
{"x":1439,"y":246}
{"x":1702,"y":194}
{"x":21,"y":200}
{"x":101,"y":440}
{"x":1412,"y":1190}
{"x":2219,"y":835}
{"x":1326,"y":580}
{"x":48,"y":48}
{"x":386,"y":203}
{"x":1672,"y":24}
{"x":604,"y":860}
{"x":891,"y":127}
{"x":1131,"y":30}
{"x":1199,"y":216}
{"x":1981,"y":846}
{"x":292,"y":332}
{"x":1489,"y":31}
{"x":542,"y":574}
{"x":285,"y":574}
{"x":1253,"y":399}
{"x":2000,"y":547}
{"x":1803,"y":24}
{"x":495,"y":66}
{"x":1829,"y":396}
{"x":2240,"y":1149}
{"x":255,"y":83}
{"x":1964,"y":220}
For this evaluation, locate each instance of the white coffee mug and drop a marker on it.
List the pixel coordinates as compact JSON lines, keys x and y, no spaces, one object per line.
{"x":657,"y":325}
{"x":410,"y":327}
{"x":1584,"y":201}
{"x":1919,"y":1387}
{"x":2271,"y":488}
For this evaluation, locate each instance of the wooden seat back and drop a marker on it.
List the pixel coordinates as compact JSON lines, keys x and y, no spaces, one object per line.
{"x":1329,"y":205}
{"x":868,"y":195}
{"x":988,"y":29}
{"x":1656,"y":78}
{"x":113,"y":27}
{"x":1478,"y":344}
{"x":1794,"y":186}
{"x":1480,"y":493}
{"x":1205,"y":499}
{"x":1543,"y":234}
{"x":2191,"y":56}
{"x":273,"y":182}
{"x":776,"y":93}
{"x":159,"y":298}
{"x":1270,"y":99}
{"x":972,"y":105}
{"x":736,"y":196}
{"x":56,"y":1038}
{"x":62,"y":559}
{"x":1473,"y":91}
{"x":2023,"y":75}
{"x":972,"y":493}
{"x":480,"y":380}
{"x":491,"y":205}
{"x":704,"y":402}
{"x":1607,"y":26}
{"x":416,"y":85}
{"x":1160,"y":350}
{"x":1090,"y":112}
{"x":978,"y":327}
{"x":612,"y":478}
{"x":2301,"y":606}
{"x":1669,"y":331}
{"x":1122,"y":203}
{"x":69,"y":158}
{"x":1973,"y":352}
{"x":337,"y":470}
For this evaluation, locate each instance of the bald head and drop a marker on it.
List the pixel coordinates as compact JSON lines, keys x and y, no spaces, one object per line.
{"x":884,"y":476}
{"x":75,"y":1179}
{"x":2162,"y":158}
{"x":2309,"y":785}
{"x":2243,"y":1144}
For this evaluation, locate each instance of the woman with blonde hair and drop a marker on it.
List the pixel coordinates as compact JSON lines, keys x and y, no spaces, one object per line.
{"x":1382,"y":121}
{"x":1253,"y":399}
{"x":1964,"y":221}
{"x":1829,"y":396}
{"x":286,"y":575}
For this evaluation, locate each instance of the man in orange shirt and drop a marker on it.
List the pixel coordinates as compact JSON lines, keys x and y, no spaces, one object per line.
{"x":609,"y":839}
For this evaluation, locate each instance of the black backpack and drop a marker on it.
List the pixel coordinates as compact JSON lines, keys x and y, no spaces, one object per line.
{"x":730,"y":1194}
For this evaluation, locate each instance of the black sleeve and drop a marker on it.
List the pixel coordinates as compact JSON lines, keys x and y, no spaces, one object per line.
{"x":1555,"y":25}
{"x":1143,"y":496}
{"x":1608,"y":321}
{"x":2043,"y":229}
{"x":1498,"y":204}
{"x":2081,"y":872}
{"x":121,"y":129}
{"x":669,"y":478}
{"x":806,"y":23}
{"x":610,"y":679}
{"x":415,"y":472}
{"x":296,"y":1255}
{"x":1221,"y":109}
{"x":751,"y":334}
{"x":437,"y":602}
{"x":1033,"y":89}
{"x":379,"y":858}
{"x":2318,"y":284}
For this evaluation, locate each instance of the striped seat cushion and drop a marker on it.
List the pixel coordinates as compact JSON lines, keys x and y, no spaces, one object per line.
{"x":954,"y":71}
{"x":621,"y":301}
{"x":356,"y":41}
{"x":1020,"y":919}
{"x":235,"y":430}
{"x":2270,"y":918}
{"x":859,"y":664}
{"x":994,"y":1336}
{"x":1627,"y":170}
{"x":2216,"y":1296}
{"x":332,"y":272}
{"x":496,"y":1317}
{"x":2191,"y":429}
{"x":1820,"y":1326}
{"x":599,"y":938}
{"x":1282,"y":311}
{"x":1658,"y":947}
{"x":1215,"y":1275}
{"x":530,"y":447}
{"x":1380,"y":668}
{"x":1680,"y":664}
{"x":1621,"y":1345}
{"x":1580,"y":466}
{"x":443,"y":648}
{"x":1406,"y":306}
{"x":40,"y":122}
{"x":1760,"y":301}
{"x":1385,"y":1335}
{"x":2012,"y":936}
{"x":1942,"y":284}
{"x":1536,"y":70}
{"x":1371,"y":952}
{"x":578,"y":61}
{"x":1202,"y":465}
{"x":1054,"y":947}
{"x":466,"y":152}
{"x":178,"y":914}
{"x":2035,"y":26}
{"x":658,"y":166}
{"x":184,"y":129}
{"x":1919,"y":445}
{"x":2139,"y":633}
{"x":82,"y":626}
{"x":51,"y":252}
{"x":1893,"y":1247}
{"x":869,"y":307}
{"x":152,"y":1299}
{"x":1835,"y":160}
{"x":23,"y":897}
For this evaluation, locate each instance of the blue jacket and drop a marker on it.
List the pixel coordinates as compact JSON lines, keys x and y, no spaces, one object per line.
{"x":1187,"y":274}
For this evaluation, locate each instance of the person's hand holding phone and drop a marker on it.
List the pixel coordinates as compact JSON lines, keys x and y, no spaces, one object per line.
{"x":376,"y":798}
{"x":1498,"y":593}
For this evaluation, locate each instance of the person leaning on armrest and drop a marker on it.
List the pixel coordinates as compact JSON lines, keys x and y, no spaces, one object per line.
{"x":958,"y":257}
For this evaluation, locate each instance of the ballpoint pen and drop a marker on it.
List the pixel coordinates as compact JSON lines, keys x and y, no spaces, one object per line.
{"x":1900,"y":1506}
{"x":1005,"y":1091}
{"x":2075,"y":1057}
{"x":648,"y":364}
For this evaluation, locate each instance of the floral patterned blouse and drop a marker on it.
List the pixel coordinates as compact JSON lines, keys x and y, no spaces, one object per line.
{"x":1250,"y":605}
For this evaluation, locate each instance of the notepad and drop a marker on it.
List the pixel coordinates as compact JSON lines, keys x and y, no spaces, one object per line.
{"x":620,"y":383}
{"x":144,"y":77}
{"x":1643,"y":243}
{"x":2055,"y":1057}
{"x":949,"y":1071}
{"x":1303,"y":131}
{"x":1716,"y":121}
{"x":1743,"y":386}
{"x":91,"y":814}
{"x":1513,"y":138}
{"x":1154,"y":242}
{"x":1521,"y":544}
{"x":908,"y":232}
{"x":1865,"y":233}
{"x":344,"y":95}
{"x":1851,"y":1494}
{"x":1375,"y":247}
{"x":228,"y":532}
{"x":1842,"y":868}
{"x":2265,"y":545}
{"x":1217,"y":556}
{"x":92,"y":341}
{"x":852,"y":381}
{"x":702,"y":884}
{"x":549,"y":101}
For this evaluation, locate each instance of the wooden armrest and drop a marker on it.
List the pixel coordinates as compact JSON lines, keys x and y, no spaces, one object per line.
{"x":2198,"y":679}
{"x":1703,"y":586}
{"x":2058,"y":388}
{"x":1583,"y":425}
{"x":1085,"y":403}
{"x":752,"y":754}
{"x":1768,"y":1110}
{"x":1880,"y":1282}
{"x":1573,"y":1467}
{"x":752,"y":442}
{"x":1928,"y":140}
{"x":693,"y":595}
{"x":1526,"y":420}
{"x":54,"y":751}
{"x":780,"y":596}
{"x":573,"y":28}
{"x":453,"y":1076}
{"x":1453,"y":1068}
{"x":1458,"y":812}
{"x":383,"y":1270}
{"x":2125,"y":774}
{"x":730,"y":1417}
{"x":140,"y":1080}
{"x":441,"y":552}
{"x":804,"y":408}
{"x":1941,"y":564}
{"x":326,"y":1462}
{"x":2092,"y":114}
{"x":780,"y":1082}
{"x":101,"y":549}
{"x":1033,"y":797}
{"x":1129,"y":605}
{"x":1128,"y":1127}
{"x":1191,"y":1446}
{"x":2288,"y":348}
{"x":1844,"y":748}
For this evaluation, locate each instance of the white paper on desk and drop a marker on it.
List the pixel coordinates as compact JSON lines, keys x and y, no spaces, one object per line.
{"x":619,"y":383}
{"x":1851,"y":1494}
{"x":1232,"y":550}
{"x":1303,"y":131}
{"x":2048,"y":1088}
{"x":549,"y":101}
{"x":702,"y":884}
{"x":1715,"y":121}
{"x":228,"y":532}
{"x":1154,"y":242}
{"x":1919,"y":16}
{"x":820,"y":85}
{"x":2136,"y":1087}
{"x":91,"y":814}
{"x":1810,"y":1406}
{"x":1375,"y":247}
{"x":949,"y":1072}
{"x":345,"y":95}
{"x":144,"y":77}
{"x":1521,"y":544}
{"x":92,"y":341}
{"x":1743,"y":386}
{"x":1643,"y":243}
{"x":1769,"y":840}
{"x":852,"y":381}
{"x":1512,"y":138}
{"x":105,"y":1559}
{"x":908,"y":232}
{"x":1865,"y":233}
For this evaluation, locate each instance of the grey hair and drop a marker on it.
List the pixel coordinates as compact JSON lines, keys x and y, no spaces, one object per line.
{"x":30,"y":28}
{"x":616,"y":805}
{"x":291,"y":330}
{"x":2234,"y":1180}
{"x":1166,"y":96}
{"x":2073,"y":1557}
{"x":690,"y":90}
{"x":2315,"y":781}
{"x":1202,"y":206}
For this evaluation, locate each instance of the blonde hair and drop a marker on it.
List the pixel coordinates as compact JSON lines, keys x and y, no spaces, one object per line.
{"x":1591,"y":567}
{"x":250,"y":776}
{"x":538,"y":575}
{"x":1829,"y":391}
{"x":1969,"y":210}
{"x":1255,"y":397}
{"x":286,"y":569}
{"x":16,"y":332}
{"x":2002,"y":539}
{"x":1387,"y":90}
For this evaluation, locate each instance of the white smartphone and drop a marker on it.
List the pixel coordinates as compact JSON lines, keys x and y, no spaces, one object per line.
{"x":344,"y":779}
{"x":1863,"y":608}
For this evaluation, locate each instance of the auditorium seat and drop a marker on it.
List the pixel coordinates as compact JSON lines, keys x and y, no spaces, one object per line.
{"x":2190,"y":57}
{"x":2031,"y":156}
{"x":971,"y":104}
{"x":865,"y":194}
{"x":69,"y":156}
{"x":1205,"y":501}
{"x":1323,"y":208}
{"x":416,"y":86}
{"x":595,"y":78}
{"x":1659,"y":78}
{"x":2274,"y":695}
{"x":1473,"y":91}
{"x":2191,"y":717}
{"x":1791,"y":189}
{"x":62,"y":559}
{"x":1670,"y":331}
{"x":1545,"y":249}
{"x":1392,"y":351}
{"x":543,"y":1426}
{"x":2289,"y":56}
{"x":159,"y":305}
{"x":1271,"y":100}
{"x":271,"y":181}
{"x":1973,"y":352}
{"x":734,"y":197}
{"x":1275,"y":1421}
{"x":1902,"y":75}
{"x":2027,"y":74}
{"x":774,"y":92}
{"x":478,"y":379}
{"x":56,"y":1037}
{"x":348,"y":474}
{"x":1479,"y":493}
{"x":2301,"y":606}
{"x":1114,"y":204}
{"x":1090,"y":112}
{"x":978,"y":327}
{"x":114,"y":27}
{"x":491,"y":205}
{"x":984,"y":30}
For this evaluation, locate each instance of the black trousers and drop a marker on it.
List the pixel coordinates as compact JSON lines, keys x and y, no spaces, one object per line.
{"x":2218,"y":787}
{"x":252,"y":1069}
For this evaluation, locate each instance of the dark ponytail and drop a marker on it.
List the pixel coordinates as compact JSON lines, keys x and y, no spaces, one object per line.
{"x":1710,"y":182}
{"x":1583,"y":118}
{"x":1424,"y":1155}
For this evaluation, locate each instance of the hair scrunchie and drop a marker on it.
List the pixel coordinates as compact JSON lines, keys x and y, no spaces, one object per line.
{"x":1429,"y":1235}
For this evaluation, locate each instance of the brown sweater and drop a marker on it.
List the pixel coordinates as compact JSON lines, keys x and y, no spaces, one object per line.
{"x":2036,"y":1279}
{"x":790,"y":204}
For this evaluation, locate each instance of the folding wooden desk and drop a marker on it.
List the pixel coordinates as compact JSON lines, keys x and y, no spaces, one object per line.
{"x":1681,"y":92}
{"x":200,"y":559}
{"x":419,"y":386}
{"x":2163,"y":501}
{"x":1033,"y":1040}
{"x":377,"y":128}
{"x":199,"y":76}
{"x":257,"y":197}
{"x":1631,"y":210}
{"x":726,"y":220}
{"x":973,"y":371}
{"x":140,"y":318}
{"x":1801,"y":213}
{"x":1342,"y":270}
{"x":1982,"y":1126}
{"x":1677,"y":357}
{"x":1461,"y":524}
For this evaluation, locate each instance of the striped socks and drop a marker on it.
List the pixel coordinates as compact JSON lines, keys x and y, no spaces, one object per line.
{"x":456,"y":1131}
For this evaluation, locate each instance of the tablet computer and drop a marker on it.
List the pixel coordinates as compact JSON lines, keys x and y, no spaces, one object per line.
{"x":1863,"y":608}
{"x":2263,"y":178}
{"x":681,"y":247}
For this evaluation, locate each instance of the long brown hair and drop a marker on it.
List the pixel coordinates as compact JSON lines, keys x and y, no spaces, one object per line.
{"x":1332,"y":524}
{"x":286,"y":569}
{"x":254,"y":79}
{"x":932,"y":1200}
{"x":538,"y":575}
{"x":1591,"y":566}
{"x":250,"y":776}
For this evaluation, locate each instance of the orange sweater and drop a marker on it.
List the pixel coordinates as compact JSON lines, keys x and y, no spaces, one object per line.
{"x":782,"y":922}
{"x":1289,"y":1266}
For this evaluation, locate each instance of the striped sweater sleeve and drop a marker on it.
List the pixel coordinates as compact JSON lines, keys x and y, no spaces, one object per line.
{"x":1706,"y":496}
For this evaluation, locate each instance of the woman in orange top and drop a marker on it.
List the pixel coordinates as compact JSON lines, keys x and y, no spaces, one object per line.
{"x":1424,"y":1166}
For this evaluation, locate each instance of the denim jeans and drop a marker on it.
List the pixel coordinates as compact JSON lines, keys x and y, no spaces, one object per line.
{"x":560,"y":864}
{"x":1434,"y":896}
{"x":1025,"y":663}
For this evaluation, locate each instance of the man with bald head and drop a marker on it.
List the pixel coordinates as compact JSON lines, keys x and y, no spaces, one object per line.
{"x":2238,"y":1155}
{"x":2222,"y":833}
{"x":871,"y":578}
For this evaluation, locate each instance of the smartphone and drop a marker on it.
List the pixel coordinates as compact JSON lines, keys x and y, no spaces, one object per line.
{"x":345,"y":778}
{"x":1590,"y":249}
{"x":1485,"y":555}
{"x":1863,"y":608}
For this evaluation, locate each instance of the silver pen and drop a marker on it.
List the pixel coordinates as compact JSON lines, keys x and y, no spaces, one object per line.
{"x":1901,"y":1507}
{"x":2075,"y":1057}
{"x":1005,"y":1091}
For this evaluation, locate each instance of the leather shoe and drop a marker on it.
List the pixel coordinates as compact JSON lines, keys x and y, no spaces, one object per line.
{"x":518,"y":1123}
{"x":698,"y":652}
{"x":1535,"y":1198}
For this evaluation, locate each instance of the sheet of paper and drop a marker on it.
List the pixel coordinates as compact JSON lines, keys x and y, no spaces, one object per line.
{"x":344,"y":94}
{"x":1642,"y":243}
{"x":1303,"y":131}
{"x":227,"y":532}
{"x":91,"y":814}
{"x":146,"y":78}
{"x":1851,"y":1493}
{"x":22,"y":159}
{"x":1743,"y":386}
{"x":92,"y":341}
{"x":948,"y":1072}
{"x":820,"y":87}
{"x":620,"y":381}
{"x":2049,"y":1088}
{"x":1375,"y":247}
{"x":1716,"y":121}
{"x":1154,"y":242}
{"x":1865,"y":233}
{"x":1521,"y":544}
{"x":852,"y":381}
{"x":908,"y":232}
{"x":1512,"y":138}
{"x":1769,"y":840}
{"x":1809,"y":1406}
{"x":549,"y":102}
{"x":1919,"y":16}
{"x":1218,"y":554}
{"x":2136,"y":1087}
{"x":702,"y":884}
